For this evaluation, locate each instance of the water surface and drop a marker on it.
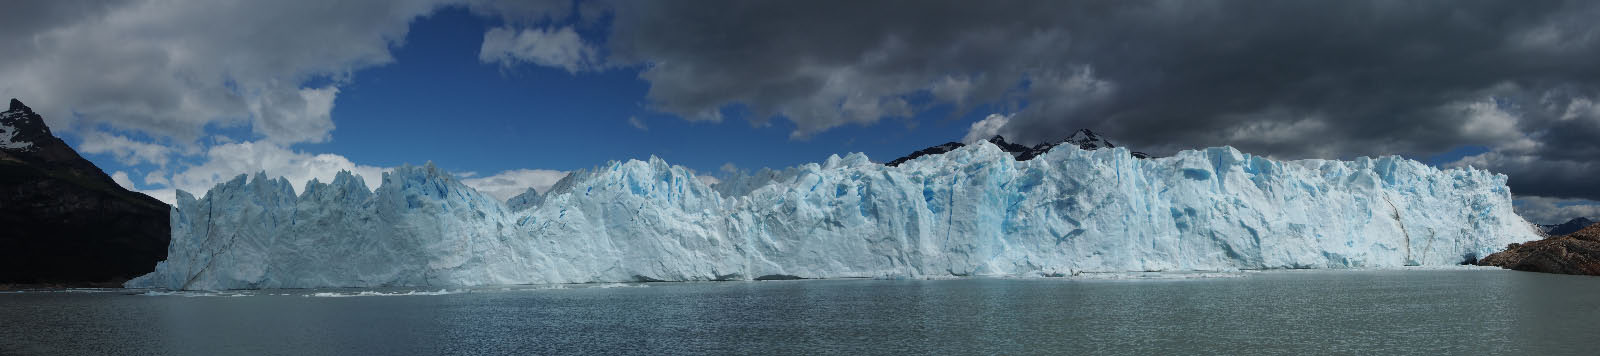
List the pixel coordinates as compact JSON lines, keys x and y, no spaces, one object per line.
{"x":1290,"y":312}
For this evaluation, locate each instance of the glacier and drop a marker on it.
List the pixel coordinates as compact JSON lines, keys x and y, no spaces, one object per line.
{"x":974,"y":211}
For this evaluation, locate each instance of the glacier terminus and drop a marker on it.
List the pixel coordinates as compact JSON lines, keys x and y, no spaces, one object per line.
{"x":973,"y":211}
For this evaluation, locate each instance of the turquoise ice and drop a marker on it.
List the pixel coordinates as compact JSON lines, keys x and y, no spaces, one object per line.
{"x":974,"y":211}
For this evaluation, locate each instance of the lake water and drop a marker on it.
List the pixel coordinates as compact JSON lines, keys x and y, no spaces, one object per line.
{"x":1287,"y":312}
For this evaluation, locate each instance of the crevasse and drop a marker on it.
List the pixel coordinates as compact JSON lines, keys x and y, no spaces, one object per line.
{"x":974,"y":211}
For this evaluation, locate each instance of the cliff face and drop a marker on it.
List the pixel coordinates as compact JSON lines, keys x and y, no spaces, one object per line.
{"x":62,"y":220}
{"x":1575,"y":253}
{"x":972,"y":211}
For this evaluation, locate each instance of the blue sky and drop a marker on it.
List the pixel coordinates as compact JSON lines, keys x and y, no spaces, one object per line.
{"x":543,"y":117}
{"x":513,"y":94}
{"x":438,"y":102}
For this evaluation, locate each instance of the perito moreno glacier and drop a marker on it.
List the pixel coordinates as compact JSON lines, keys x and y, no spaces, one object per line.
{"x":974,"y":211}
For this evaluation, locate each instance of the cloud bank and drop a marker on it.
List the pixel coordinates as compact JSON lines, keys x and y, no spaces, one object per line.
{"x":505,"y":185}
{"x":1288,"y":79}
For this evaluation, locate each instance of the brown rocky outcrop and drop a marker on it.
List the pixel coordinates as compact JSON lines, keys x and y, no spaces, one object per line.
{"x":1575,"y":253}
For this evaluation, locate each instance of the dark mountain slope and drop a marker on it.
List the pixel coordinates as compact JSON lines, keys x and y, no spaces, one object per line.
{"x":62,"y":220}
{"x":1568,"y":227}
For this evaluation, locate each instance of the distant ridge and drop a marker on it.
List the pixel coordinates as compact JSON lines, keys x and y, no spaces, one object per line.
{"x":1568,"y":227}
{"x":1083,"y":139}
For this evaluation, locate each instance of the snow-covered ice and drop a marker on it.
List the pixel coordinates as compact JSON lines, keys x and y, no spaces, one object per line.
{"x":974,"y":211}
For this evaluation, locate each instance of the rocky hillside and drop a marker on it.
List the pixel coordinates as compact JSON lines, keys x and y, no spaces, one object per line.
{"x":1083,"y":139}
{"x":63,"y":220}
{"x":1575,"y":253}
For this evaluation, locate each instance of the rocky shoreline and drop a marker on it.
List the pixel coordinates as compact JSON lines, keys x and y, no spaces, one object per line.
{"x":1576,"y":253}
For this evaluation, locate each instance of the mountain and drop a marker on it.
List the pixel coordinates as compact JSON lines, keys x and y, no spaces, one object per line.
{"x":1568,"y":227}
{"x":1083,"y":139}
{"x":62,"y":220}
{"x":972,"y":211}
{"x":1574,"y":253}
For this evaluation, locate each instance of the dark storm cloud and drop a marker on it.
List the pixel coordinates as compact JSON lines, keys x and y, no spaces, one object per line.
{"x":1289,"y":79}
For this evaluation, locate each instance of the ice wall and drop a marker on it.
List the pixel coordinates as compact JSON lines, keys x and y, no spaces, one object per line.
{"x":972,"y":211}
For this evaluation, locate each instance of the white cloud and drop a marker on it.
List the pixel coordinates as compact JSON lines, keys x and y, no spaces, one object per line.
{"x":156,"y":179}
{"x":638,"y":124}
{"x":125,"y":150}
{"x":167,"y":195}
{"x":1580,"y":108}
{"x":1546,"y":210}
{"x":1277,"y":128}
{"x":952,"y":89}
{"x":142,"y":67}
{"x":172,"y":68}
{"x":986,"y":128}
{"x":1486,"y":121}
{"x":507,"y":184}
{"x":289,"y":117}
{"x":839,"y":99}
{"x":122,"y":179}
{"x":560,"y":48}
{"x":224,"y":162}
{"x":707,"y":180}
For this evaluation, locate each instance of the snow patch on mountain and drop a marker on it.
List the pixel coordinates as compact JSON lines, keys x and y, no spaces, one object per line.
{"x":8,"y":139}
{"x":9,"y":122}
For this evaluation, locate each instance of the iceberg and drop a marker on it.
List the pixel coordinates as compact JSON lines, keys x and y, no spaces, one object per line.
{"x":973,"y":211}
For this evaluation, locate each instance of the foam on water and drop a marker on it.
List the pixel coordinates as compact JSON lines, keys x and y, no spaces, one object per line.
{"x":382,"y":294}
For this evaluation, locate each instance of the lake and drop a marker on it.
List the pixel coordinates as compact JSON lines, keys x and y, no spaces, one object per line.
{"x":1448,"y":311}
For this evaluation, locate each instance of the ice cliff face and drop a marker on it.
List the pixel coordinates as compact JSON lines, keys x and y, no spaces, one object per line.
{"x":973,"y":211}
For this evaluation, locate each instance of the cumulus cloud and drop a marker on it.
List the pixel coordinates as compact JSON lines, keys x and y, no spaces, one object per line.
{"x":122,"y":179}
{"x":1547,"y":211}
{"x":125,"y":150}
{"x":156,"y":179}
{"x":1539,"y":176}
{"x":559,"y":48}
{"x":507,"y":184}
{"x":986,"y":128}
{"x":1552,"y":150}
{"x":1287,"y":79}
{"x":142,"y":67}
{"x":1151,"y":73}
{"x":171,"y":68}
{"x":223,"y":162}
{"x":289,"y":117}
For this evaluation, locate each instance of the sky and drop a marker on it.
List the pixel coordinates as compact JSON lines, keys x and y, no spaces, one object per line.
{"x":511,"y":95}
